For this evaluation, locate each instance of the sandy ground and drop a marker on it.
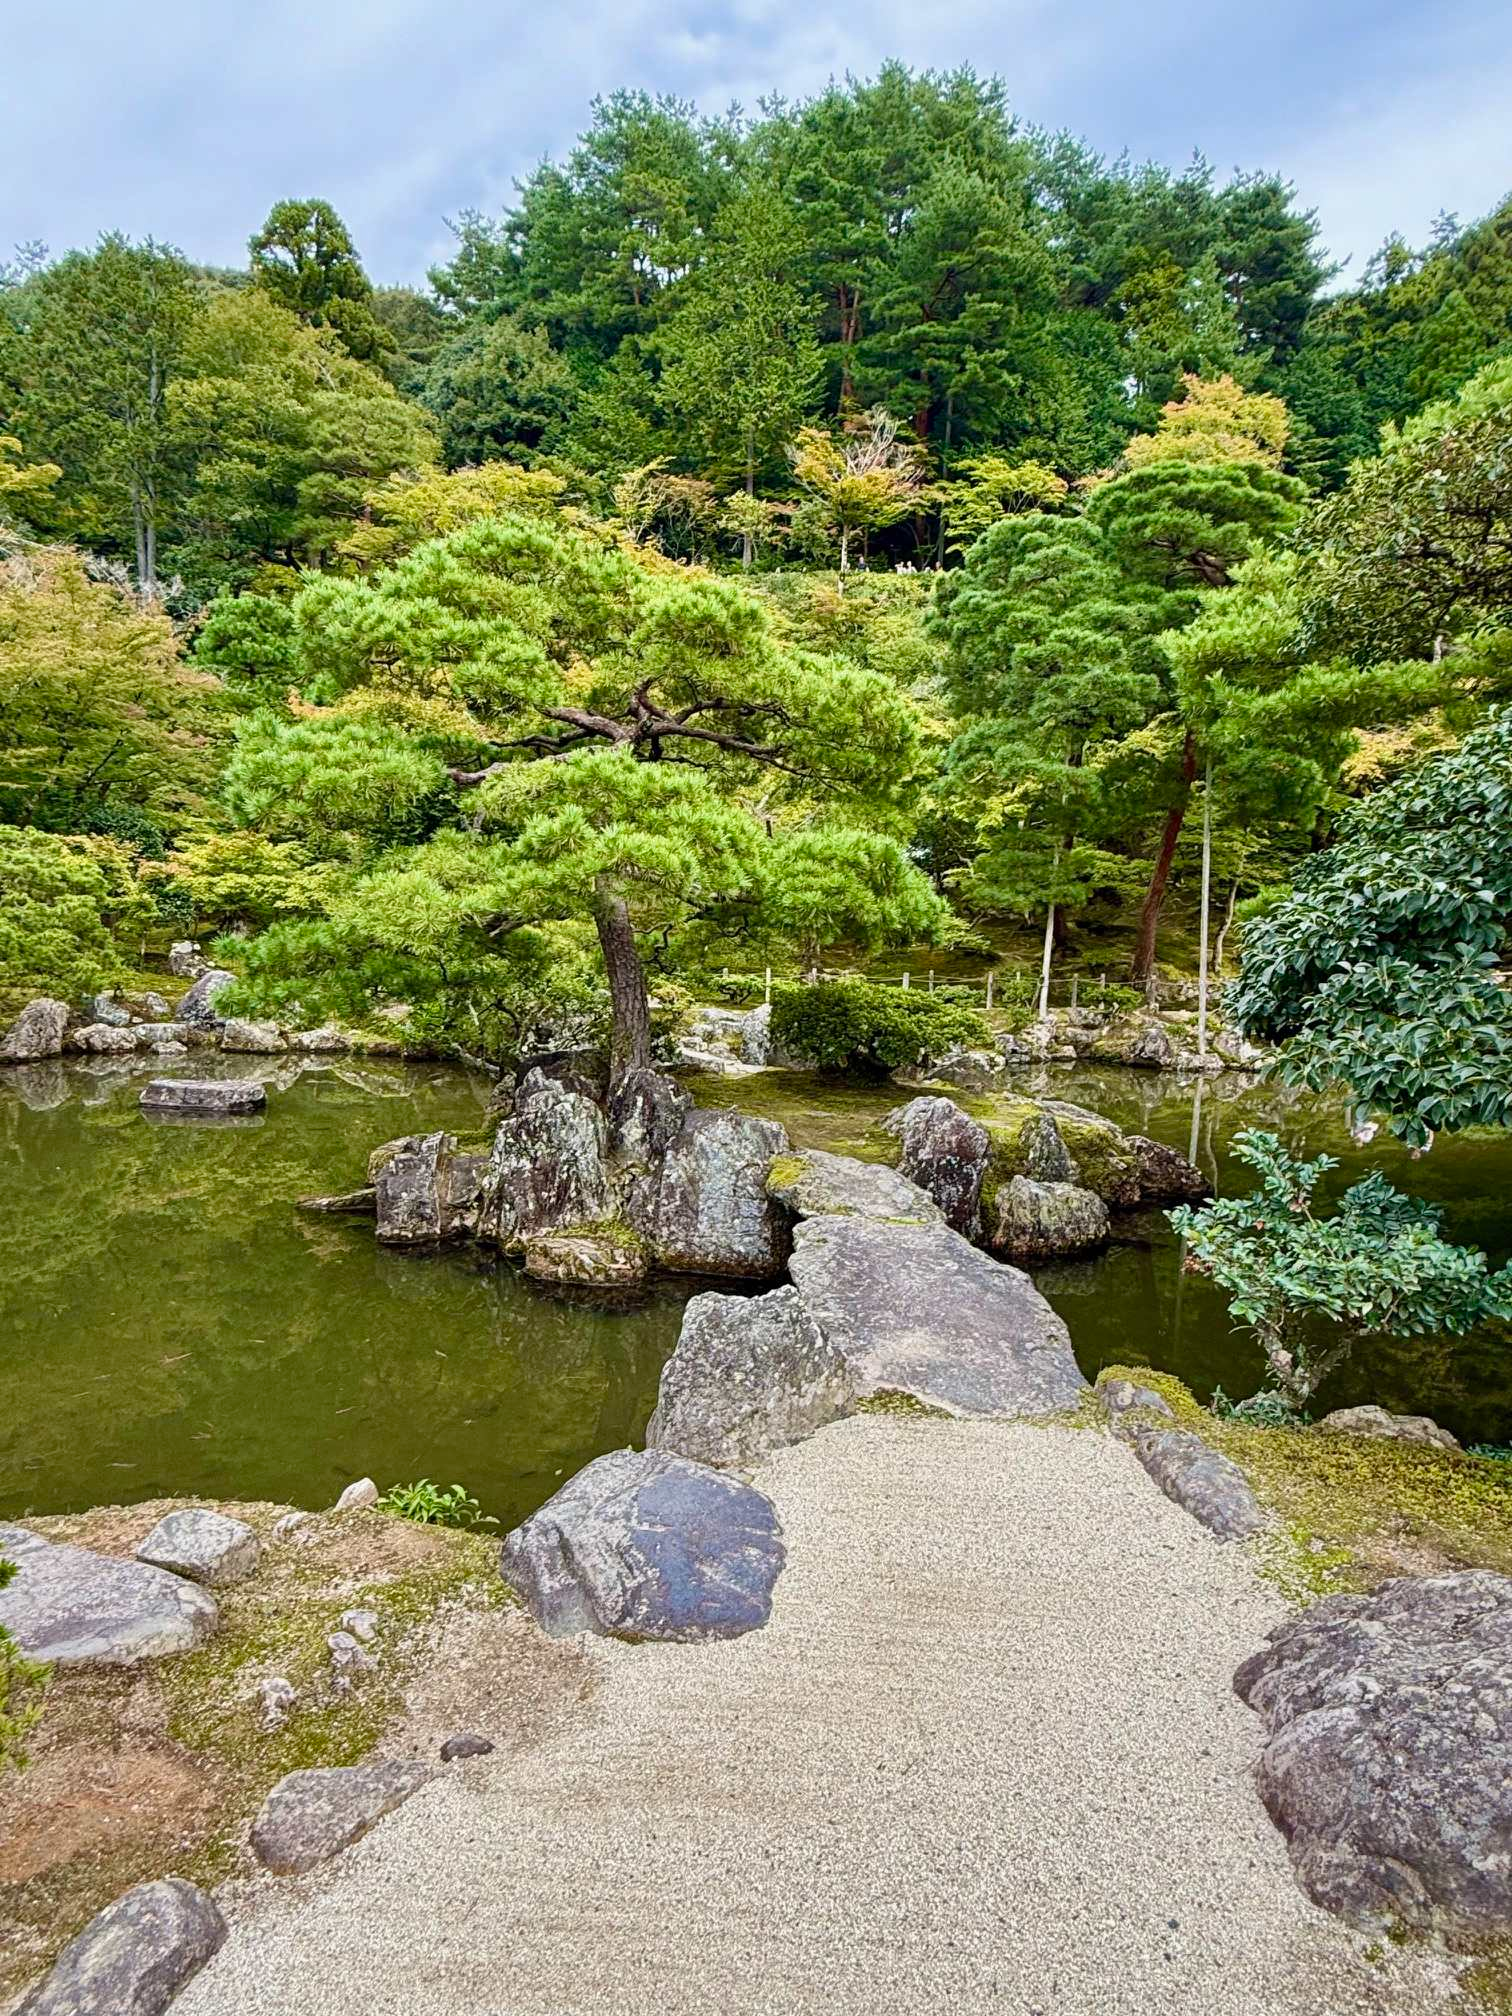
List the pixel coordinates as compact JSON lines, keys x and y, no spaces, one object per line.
{"x":985,"y":1757}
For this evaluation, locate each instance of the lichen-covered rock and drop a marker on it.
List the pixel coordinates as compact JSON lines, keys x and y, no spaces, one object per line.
{"x":918,"y":1310}
{"x":645,"y":1545}
{"x":36,"y":1032}
{"x":944,"y":1151}
{"x":198,"y":1006}
{"x":425,"y":1192}
{"x":1047,"y":1221}
{"x":1123,"y":1403}
{"x":588,"y":1256}
{"x":1165,"y":1176}
{"x":133,"y":1957}
{"x":106,"y":1008}
{"x":309,"y":1816}
{"x":969,"y":1070}
{"x":756,"y":1035}
{"x":73,"y":1607}
{"x":106,"y":1039}
{"x":750,"y":1374}
{"x":257,"y":1039}
{"x":1388,"y":1755}
{"x":1196,"y":1477}
{"x":646,"y":1113}
{"x":1139,"y":1040}
{"x":205,"y":1546}
{"x":708,"y":1211}
{"x":1382,"y":1426}
{"x":1042,"y":1152}
{"x":186,"y":961}
{"x":203,"y":1097}
{"x":549,"y":1168}
{"x":1103,"y":1157}
{"x":814,"y":1184}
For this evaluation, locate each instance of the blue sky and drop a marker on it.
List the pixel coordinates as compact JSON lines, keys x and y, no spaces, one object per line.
{"x":186,"y":121}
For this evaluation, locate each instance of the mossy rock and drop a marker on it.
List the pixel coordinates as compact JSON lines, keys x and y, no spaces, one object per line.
{"x":1103,"y":1159}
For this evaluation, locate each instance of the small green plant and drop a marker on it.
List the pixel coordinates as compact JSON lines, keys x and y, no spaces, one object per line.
{"x":1376,"y":1267}
{"x":1265,"y":1409}
{"x":852,"y":1025}
{"x":1494,"y":1452}
{"x":22,"y":1682}
{"x":434,"y":1504}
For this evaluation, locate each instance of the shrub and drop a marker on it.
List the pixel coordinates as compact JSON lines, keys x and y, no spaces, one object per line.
{"x":851,"y":1025}
{"x":65,"y":901}
{"x":22,"y":1681}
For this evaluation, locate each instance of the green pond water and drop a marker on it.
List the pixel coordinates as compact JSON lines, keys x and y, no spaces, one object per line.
{"x":169,"y":1324}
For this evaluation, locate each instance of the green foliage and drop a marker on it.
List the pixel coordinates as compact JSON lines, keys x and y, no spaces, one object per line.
{"x":497,"y":388}
{"x":67,"y":907}
{"x":248,"y":640}
{"x":221,"y":880}
{"x":850,"y":1025}
{"x":305,"y":259}
{"x":1376,"y":1266}
{"x":22,"y":1683}
{"x":434,"y":1504}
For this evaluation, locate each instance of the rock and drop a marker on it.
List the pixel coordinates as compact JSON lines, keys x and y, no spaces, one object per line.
{"x":106,"y":1039}
{"x":205,"y":1546}
{"x":1139,"y":1040}
{"x":916,"y":1309}
{"x":77,"y":1608}
{"x":756,"y":1035}
{"x":358,"y":1497}
{"x":708,"y":1211}
{"x":646,"y":1113}
{"x":1388,"y":1753}
{"x":466,"y":1744}
{"x":609,"y":1256}
{"x":276,"y":1698}
{"x":1215,"y":1491}
{"x":693,"y":1056}
{"x":426,"y":1192}
{"x":344,"y":1203}
{"x":105,"y":1008}
{"x":149,"y":1007}
{"x":1047,"y":1221}
{"x":750,"y":1374}
{"x":585,"y":1072}
{"x":363,"y":1624}
{"x":197,"y":1007}
{"x":1043,"y":1154}
{"x":286,"y":1527}
{"x":1120,"y":1400}
{"x":186,"y":961}
{"x":326,"y":1041}
{"x":203,"y":1097}
{"x":642,"y":1544}
{"x":1378,"y":1424}
{"x":549,"y":1166}
{"x":350,"y":1661}
{"x":1097,"y":1155}
{"x":258,"y":1039}
{"x":36,"y":1032}
{"x":1235,"y":1048}
{"x":1166,"y":1177}
{"x":134,"y":1956}
{"x":814,"y":1184}
{"x":968,"y":1070}
{"x":168,"y":1039}
{"x":945,"y":1153}
{"x":309,"y":1816}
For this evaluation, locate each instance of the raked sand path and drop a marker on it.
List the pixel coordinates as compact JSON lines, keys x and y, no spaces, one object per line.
{"x":985,"y":1757}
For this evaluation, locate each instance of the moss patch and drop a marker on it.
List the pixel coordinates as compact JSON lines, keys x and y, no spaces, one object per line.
{"x":901,"y":1406}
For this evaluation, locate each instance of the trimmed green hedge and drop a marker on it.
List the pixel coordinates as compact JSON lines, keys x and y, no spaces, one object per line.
{"x":851,"y":1025}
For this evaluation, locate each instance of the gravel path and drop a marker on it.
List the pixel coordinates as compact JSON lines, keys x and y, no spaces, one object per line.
{"x":985,"y":1757}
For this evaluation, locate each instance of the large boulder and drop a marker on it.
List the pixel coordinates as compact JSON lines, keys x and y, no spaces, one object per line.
{"x":205,"y":1546}
{"x":1092,"y":1152}
{"x":36,"y":1032}
{"x":1379,"y":1425}
{"x":814,"y":1184}
{"x":918,"y":1310}
{"x":256,"y":1039}
{"x":107,"y":1039}
{"x":133,"y":1957}
{"x":707,"y":1211}
{"x":197,"y":1007}
{"x":944,"y":1151}
{"x":1047,"y":1221}
{"x":1140,"y":1040}
{"x":750,"y":1373}
{"x":1388,"y":1754}
{"x":309,"y":1816}
{"x":642,"y":1544}
{"x":425,"y":1192}
{"x":1196,"y":1477}
{"x":549,"y":1169}
{"x":646,"y":1112}
{"x":73,"y":1607}
{"x":186,"y":961}
{"x":1165,"y":1175}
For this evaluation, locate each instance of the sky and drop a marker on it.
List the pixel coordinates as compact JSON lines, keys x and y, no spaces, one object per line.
{"x":187,"y":121}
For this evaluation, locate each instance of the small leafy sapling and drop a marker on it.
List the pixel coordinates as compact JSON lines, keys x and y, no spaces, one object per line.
{"x":22,"y":1681}
{"x":1376,"y":1267}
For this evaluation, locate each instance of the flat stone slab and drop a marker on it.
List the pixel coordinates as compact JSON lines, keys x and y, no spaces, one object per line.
{"x":815,"y":1184}
{"x":642,"y":1544}
{"x":204,"y":1546}
{"x":309,"y":1816}
{"x":134,"y":1957}
{"x":76,"y":1608}
{"x":1388,"y":1755}
{"x":210,"y":1096}
{"x":1196,"y":1477}
{"x":1379,"y":1425}
{"x":750,"y":1373}
{"x":919,"y":1310}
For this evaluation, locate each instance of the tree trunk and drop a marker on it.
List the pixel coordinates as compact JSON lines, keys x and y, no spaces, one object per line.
{"x":1044,"y":993}
{"x":629,"y":1000}
{"x":1207,"y":893}
{"x":1143,"y":963}
{"x":747,"y":544}
{"x":944,"y":473}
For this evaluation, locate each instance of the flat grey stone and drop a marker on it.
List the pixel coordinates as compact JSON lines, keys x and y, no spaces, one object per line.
{"x":1388,"y":1753}
{"x":36,"y":1032}
{"x":309,"y":1816}
{"x":642,"y":1544}
{"x":919,"y":1310}
{"x":77,"y":1608}
{"x":708,"y":1211}
{"x":1379,"y":1425}
{"x":210,"y":1097}
{"x":1196,"y":1477}
{"x":814,"y":1184}
{"x":134,"y":1956}
{"x":1047,"y":1221}
{"x":750,"y":1374}
{"x":344,"y":1203}
{"x":204,"y":1546}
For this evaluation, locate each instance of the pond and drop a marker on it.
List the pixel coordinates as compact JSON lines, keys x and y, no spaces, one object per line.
{"x":169,"y":1324}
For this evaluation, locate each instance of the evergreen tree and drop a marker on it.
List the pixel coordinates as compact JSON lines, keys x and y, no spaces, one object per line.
{"x":304,"y":257}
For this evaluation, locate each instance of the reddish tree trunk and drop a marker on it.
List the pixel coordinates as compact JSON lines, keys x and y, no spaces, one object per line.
{"x":1143,"y":963}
